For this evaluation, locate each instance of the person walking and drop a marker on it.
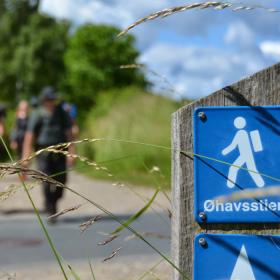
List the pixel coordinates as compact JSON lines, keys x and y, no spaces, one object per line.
{"x":242,"y":142}
{"x":18,"y":132}
{"x":49,"y":125}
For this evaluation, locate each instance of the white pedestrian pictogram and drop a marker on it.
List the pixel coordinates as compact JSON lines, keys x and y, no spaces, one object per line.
{"x":241,"y":141}
{"x":243,"y":269}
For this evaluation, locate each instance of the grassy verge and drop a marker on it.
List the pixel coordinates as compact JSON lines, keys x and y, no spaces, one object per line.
{"x":130,"y":114}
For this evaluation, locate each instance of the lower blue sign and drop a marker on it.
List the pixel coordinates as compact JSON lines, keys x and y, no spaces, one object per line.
{"x":236,"y":257}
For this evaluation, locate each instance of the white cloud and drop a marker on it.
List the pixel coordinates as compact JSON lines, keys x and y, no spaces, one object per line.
{"x":271,"y":49}
{"x":117,"y":12}
{"x":198,"y":71}
{"x":81,"y":11}
{"x":240,"y":33}
{"x":59,"y":9}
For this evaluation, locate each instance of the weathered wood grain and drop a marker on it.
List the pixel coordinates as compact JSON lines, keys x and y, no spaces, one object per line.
{"x":262,"y":88}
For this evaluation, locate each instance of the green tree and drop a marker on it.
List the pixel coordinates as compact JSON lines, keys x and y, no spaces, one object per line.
{"x":32,"y":47}
{"x":13,"y":15}
{"x":93,"y":61}
{"x":38,"y":57}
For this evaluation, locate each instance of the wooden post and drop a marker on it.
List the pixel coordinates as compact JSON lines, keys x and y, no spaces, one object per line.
{"x":260,"y":89}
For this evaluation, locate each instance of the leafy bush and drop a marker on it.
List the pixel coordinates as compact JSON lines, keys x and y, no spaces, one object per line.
{"x":93,"y":59}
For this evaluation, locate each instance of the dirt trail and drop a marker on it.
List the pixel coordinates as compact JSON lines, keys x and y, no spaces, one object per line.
{"x":125,"y":270}
{"x":119,"y":200}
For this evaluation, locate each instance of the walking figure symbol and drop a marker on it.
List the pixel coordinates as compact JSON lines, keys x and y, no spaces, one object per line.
{"x":242,"y":141}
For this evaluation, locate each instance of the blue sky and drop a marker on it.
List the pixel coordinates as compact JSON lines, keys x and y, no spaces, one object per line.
{"x":194,"y":53}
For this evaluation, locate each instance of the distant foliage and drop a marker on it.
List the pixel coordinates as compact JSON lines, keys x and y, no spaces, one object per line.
{"x":38,"y":58}
{"x":38,"y":50}
{"x":93,"y":61}
{"x":31,"y":49}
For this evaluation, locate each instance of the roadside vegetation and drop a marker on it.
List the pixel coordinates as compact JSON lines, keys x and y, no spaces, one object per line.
{"x":135,"y":115}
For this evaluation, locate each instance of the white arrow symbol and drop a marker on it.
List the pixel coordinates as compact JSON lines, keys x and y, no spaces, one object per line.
{"x":242,"y":269}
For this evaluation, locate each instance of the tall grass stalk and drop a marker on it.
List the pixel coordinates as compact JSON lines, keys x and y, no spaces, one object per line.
{"x":137,"y":215}
{"x":188,"y":153}
{"x":150,"y":270}
{"x":250,"y":193}
{"x":36,"y":211}
{"x":43,"y":177}
{"x":160,"y":147}
{"x":130,"y":229}
{"x":91,"y":269}
{"x":74,"y":274}
{"x":159,"y":185}
{"x":217,"y":5}
{"x":123,"y":224}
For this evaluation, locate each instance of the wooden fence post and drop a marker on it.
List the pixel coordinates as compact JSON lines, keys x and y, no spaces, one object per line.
{"x":260,"y":89}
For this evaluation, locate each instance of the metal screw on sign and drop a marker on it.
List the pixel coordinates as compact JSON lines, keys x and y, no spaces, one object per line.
{"x":202,"y":216}
{"x":202,"y":242}
{"x":202,"y":116}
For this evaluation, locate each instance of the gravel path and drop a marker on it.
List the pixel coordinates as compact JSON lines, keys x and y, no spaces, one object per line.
{"x":119,"y":200}
{"x":125,"y":270}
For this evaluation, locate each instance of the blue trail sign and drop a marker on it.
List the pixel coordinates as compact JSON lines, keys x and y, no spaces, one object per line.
{"x":236,"y":149}
{"x":236,"y":257}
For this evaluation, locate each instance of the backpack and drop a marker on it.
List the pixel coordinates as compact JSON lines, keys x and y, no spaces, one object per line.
{"x":61,"y":119}
{"x":256,"y":141}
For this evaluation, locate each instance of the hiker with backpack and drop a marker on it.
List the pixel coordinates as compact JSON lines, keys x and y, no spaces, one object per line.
{"x":49,"y":125}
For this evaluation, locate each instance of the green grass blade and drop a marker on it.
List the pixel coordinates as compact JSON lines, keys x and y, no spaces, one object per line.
{"x":137,"y":215}
{"x":150,"y":270}
{"x":110,"y":214}
{"x":91,"y":269}
{"x":74,"y":274}
{"x":36,"y":211}
{"x":165,"y":148}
